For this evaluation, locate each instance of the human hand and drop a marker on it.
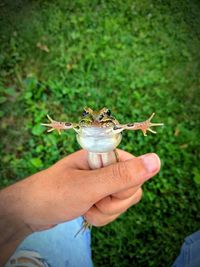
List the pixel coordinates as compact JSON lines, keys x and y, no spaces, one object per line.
{"x":69,"y":189}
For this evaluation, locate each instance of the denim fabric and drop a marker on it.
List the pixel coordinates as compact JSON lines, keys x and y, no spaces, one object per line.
{"x":59,"y":247}
{"x":190,"y":252}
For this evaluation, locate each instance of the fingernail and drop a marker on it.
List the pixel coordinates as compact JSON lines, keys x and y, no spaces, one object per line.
{"x":151,"y":162}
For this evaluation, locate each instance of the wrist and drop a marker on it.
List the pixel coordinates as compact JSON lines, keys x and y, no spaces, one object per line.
{"x":12,"y":227}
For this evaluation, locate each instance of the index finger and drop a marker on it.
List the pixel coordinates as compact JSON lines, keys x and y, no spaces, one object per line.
{"x":79,"y":160}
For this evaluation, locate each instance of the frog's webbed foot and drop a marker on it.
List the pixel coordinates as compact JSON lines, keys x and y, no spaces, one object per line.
{"x":58,"y":126}
{"x":148,"y":124}
{"x":143,"y":126}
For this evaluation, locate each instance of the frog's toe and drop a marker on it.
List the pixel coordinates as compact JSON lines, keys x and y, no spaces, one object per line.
{"x":46,"y":124}
{"x":50,"y":130}
{"x":152,"y":131}
{"x":156,"y":124}
{"x":152,"y":115}
{"x":51,"y":120}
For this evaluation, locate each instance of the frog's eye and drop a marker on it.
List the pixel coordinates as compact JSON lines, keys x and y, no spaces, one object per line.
{"x":108,"y":112}
{"x":101,"y":117}
{"x":85,"y":113}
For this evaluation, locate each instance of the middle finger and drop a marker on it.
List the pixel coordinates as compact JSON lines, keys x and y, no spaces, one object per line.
{"x":111,"y":205}
{"x":126,"y":193}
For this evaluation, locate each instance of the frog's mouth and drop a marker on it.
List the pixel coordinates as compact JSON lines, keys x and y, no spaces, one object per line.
{"x":97,"y":123}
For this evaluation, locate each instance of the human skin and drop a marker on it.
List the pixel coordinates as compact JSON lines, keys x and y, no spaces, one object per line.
{"x":69,"y":189}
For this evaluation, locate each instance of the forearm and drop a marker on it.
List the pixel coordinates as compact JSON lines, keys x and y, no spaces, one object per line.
{"x":12,"y":228}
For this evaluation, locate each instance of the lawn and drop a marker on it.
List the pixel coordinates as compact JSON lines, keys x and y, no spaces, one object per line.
{"x":134,"y":57}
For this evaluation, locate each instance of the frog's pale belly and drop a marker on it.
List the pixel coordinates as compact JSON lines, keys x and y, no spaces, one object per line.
{"x":98,"y":140}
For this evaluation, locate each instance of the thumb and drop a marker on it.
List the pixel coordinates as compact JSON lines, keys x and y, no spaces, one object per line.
{"x":123,"y":175}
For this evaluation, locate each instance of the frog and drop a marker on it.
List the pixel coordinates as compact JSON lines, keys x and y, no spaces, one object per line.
{"x":98,"y":131}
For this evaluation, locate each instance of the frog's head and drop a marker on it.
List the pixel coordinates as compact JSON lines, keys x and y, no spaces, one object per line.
{"x":95,"y":132}
{"x":100,"y":118}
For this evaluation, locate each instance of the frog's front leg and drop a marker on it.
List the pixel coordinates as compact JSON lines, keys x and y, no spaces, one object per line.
{"x":143,"y":126}
{"x":58,"y":126}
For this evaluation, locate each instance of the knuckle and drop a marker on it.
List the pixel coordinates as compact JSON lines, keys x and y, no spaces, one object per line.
{"x":98,"y":219}
{"x":107,"y":210}
{"x":120,"y":170}
{"x":88,"y":216}
{"x":105,"y":220}
{"x":91,"y":218}
{"x":105,"y":206}
{"x":126,"y":193}
{"x":102,"y":208}
{"x":95,"y":218}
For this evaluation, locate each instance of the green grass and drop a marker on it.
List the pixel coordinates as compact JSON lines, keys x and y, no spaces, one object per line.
{"x":134,"y":57}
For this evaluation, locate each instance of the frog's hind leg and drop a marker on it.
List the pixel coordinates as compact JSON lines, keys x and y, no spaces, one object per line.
{"x":84,"y":227}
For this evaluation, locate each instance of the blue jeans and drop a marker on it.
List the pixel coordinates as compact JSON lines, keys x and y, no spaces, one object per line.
{"x":190,"y":252}
{"x":58,"y":246}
